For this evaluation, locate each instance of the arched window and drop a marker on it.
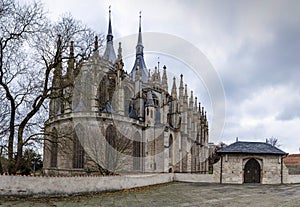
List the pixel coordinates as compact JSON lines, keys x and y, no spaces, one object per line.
{"x":102,"y":94}
{"x":171,"y":149}
{"x":127,"y":99}
{"x":110,"y":154}
{"x":78,"y":151}
{"x":137,"y":152}
{"x":54,"y":148}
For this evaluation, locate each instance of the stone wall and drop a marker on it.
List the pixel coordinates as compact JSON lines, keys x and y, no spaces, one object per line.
{"x":63,"y":186}
{"x":196,"y":178}
{"x":289,"y":177}
{"x":59,"y":186}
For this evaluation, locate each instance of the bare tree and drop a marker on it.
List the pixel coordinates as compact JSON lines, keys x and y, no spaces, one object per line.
{"x":29,"y":51}
{"x":273,"y":141}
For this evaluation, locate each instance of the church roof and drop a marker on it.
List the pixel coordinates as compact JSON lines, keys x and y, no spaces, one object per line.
{"x":251,"y":148}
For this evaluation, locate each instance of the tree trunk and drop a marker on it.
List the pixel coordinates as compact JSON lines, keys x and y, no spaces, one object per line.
{"x":10,"y":148}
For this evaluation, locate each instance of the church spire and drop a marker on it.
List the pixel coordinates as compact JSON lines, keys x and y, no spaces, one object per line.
{"x":164,"y":80}
{"x":174,"y":90}
{"x":139,"y":59}
{"x":109,"y":36}
{"x":109,"y":53}
{"x":140,"y":47}
{"x":181,"y":87}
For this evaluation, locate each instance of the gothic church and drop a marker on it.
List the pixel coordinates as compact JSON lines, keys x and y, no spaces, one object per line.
{"x":105,"y":119}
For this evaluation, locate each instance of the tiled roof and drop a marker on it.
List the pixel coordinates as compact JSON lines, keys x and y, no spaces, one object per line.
{"x":251,"y":148}
{"x":293,"y":159}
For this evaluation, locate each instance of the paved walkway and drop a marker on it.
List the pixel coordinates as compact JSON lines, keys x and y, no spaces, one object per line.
{"x":182,"y":194}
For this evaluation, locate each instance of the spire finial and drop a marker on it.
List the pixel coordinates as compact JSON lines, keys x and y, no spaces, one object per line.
{"x":158,"y":63}
{"x":140,"y":43}
{"x":109,"y":36}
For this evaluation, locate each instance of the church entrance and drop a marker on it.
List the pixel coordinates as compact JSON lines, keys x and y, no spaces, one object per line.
{"x":252,"y":172}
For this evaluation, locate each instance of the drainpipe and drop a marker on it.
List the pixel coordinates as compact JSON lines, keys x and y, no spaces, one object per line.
{"x":221,"y":171}
{"x":281,"y":170}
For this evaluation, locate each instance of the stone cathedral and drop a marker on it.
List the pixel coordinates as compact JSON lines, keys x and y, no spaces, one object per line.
{"x":105,"y":119}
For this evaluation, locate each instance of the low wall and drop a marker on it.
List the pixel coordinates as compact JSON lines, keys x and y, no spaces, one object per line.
{"x":60,"y":186}
{"x":199,"y":178}
{"x":291,"y":179}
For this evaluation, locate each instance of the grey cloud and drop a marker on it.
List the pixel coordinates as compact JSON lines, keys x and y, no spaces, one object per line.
{"x":290,"y":112}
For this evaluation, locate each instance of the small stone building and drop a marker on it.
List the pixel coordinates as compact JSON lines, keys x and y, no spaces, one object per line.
{"x":250,"y":162}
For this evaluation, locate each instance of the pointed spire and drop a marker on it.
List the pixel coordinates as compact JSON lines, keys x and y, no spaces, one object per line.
{"x":120,"y":51}
{"x":96,"y":44}
{"x":181,"y":87}
{"x":71,"y":61}
{"x":109,"y":53}
{"x":199,"y":108}
{"x":139,"y":60}
{"x":58,"y":70}
{"x":174,"y":89}
{"x":158,"y":63}
{"x":191,"y":104}
{"x":202,"y":111}
{"x":140,"y":47}
{"x":195,"y":108}
{"x":185,"y":91}
{"x":165,"y":79}
{"x":109,"y":36}
{"x":156,"y":76}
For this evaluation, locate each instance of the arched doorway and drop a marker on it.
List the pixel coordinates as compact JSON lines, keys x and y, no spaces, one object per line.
{"x":252,"y":171}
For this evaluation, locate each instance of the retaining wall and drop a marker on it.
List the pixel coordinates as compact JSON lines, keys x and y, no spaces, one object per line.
{"x":199,"y":178}
{"x":62,"y":186}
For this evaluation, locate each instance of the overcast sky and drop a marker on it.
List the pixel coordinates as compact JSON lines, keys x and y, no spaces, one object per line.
{"x":253,"y":45}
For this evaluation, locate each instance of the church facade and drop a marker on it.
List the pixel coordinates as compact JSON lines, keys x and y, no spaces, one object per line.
{"x":103,"y":119}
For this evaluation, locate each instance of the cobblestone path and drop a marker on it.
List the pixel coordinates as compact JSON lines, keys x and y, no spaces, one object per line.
{"x":180,"y":194}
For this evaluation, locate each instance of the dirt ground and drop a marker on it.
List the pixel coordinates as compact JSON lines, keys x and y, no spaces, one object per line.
{"x":179,"y":194}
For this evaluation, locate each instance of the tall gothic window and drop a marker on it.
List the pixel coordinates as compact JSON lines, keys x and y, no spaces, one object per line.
{"x":54,"y":148}
{"x":78,"y":151}
{"x":171,"y":150}
{"x":110,"y":154}
{"x":127,"y":98}
{"x":102,"y":94}
{"x":137,"y":152}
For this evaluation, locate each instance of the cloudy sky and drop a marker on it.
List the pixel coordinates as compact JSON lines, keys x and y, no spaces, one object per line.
{"x":253,"y":45}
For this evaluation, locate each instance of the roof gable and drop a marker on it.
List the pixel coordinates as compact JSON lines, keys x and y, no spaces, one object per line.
{"x":251,"y":148}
